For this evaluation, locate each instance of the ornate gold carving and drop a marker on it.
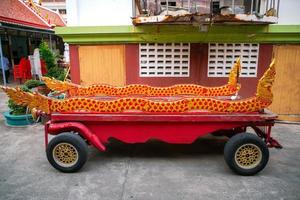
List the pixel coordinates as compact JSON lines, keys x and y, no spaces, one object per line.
{"x":234,"y":74}
{"x":32,"y":100}
{"x":262,"y":99}
{"x":264,"y":87}
{"x":61,"y":86}
{"x":136,"y":89}
{"x":86,"y":104}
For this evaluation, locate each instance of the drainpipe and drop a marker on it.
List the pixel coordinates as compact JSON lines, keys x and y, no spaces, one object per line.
{"x":2,"y":63}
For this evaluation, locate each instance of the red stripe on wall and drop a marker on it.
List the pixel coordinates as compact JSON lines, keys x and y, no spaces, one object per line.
{"x":74,"y":63}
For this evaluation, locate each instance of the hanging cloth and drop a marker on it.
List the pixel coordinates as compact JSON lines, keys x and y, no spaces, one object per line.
{"x":37,"y":63}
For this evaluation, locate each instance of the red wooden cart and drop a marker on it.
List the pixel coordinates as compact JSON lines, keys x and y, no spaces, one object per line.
{"x":245,"y":153}
{"x":137,"y":113}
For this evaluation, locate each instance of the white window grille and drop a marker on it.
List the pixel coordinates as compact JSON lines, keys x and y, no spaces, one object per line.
{"x":221,"y":57}
{"x":164,"y":60}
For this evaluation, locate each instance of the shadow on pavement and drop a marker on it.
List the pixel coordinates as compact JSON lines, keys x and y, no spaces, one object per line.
{"x":154,"y":148}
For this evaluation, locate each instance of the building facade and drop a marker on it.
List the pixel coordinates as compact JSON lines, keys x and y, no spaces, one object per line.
{"x":174,"y":42}
{"x":23,"y":25}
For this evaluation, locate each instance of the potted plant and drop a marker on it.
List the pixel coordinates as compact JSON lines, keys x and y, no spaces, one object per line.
{"x":18,"y":115}
{"x":37,"y":86}
{"x":50,"y":59}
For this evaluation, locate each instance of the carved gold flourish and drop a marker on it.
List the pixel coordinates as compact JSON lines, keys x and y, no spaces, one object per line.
{"x":137,"y":89}
{"x":264,"y":87}
{"x":262,"y":99}
{"x":32,"y":100}
{"x":234,"y":73}
{"x":61,"y":86}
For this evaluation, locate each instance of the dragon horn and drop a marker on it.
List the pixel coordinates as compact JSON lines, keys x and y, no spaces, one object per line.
{"x":235,"y":72}
{"x":264,"y":86}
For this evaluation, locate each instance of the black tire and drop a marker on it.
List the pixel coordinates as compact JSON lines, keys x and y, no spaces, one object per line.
{"x":71,"y":144}
{"x":246,"y":154}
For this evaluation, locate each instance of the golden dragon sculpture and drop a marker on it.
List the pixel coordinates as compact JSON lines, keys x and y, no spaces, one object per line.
{"x":262,"y":99}
{"x":136,"y":89}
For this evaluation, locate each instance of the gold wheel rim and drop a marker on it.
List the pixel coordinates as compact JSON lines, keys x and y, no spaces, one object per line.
{"x":248,"y":156}
{"x":65,"y":154}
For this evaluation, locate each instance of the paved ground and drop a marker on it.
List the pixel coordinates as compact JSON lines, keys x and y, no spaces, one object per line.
{"x":152,"y":171}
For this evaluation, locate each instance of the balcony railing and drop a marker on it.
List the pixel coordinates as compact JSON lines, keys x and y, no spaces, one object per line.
{"x":205,"y":11}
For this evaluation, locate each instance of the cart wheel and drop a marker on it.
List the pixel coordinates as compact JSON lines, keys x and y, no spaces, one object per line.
{"x":67,"y":152}
{"x":246,"y":154}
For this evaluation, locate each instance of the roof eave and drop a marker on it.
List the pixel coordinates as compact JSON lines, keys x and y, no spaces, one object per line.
{"x":180,"y":33}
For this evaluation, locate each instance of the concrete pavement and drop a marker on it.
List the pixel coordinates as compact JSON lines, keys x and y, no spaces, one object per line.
{"x":146,"y":171}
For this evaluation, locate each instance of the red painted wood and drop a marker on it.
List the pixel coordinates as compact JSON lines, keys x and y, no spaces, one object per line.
{"x":77,"y":127}
{"x":140,"y":127}
{"x":141,"y":132}
{"x":162,"y":117}
{"x":198,"y":67}
{"x":74,"y":63}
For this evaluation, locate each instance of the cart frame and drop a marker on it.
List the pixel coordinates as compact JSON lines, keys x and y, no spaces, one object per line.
{"x":177,"y":128}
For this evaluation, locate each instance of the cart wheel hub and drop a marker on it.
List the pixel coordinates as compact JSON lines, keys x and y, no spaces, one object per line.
{"x":248,"y":156}
{"x":65,"y":154}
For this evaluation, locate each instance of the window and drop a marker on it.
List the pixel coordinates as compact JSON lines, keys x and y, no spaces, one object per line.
{"x":62,"y":11}
{"x":164,"y":60}
{"x":170,"y":3}
{"x":221,"y":57}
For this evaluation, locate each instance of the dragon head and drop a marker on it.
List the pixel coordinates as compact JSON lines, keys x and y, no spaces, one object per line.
{"x":32,"y":100}
{"x":60,"y":86}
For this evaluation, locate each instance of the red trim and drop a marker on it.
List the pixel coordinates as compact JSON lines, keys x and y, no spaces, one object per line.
{"x":25,"y":23}
{"x":74,"y":62}
{"x":77,"y":127}
{"x":46,"y":133}
{"x":159,"y":117}
{"x":139,"y":128}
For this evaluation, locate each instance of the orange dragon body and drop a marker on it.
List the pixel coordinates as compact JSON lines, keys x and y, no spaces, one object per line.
{"x":136,"y":89}
{"x":262,"y":99}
